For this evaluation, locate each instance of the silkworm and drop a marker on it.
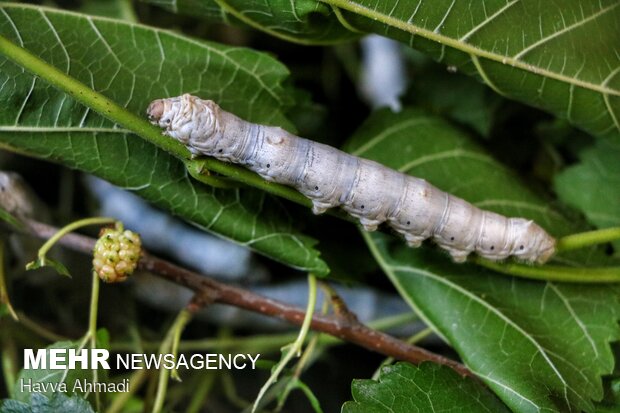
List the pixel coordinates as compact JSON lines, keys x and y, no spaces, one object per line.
{"x":367,"y":190}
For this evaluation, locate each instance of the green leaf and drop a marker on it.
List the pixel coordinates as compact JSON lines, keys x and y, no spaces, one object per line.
{"x":14,"y":406}
{"x":405,"y":388}
{"x":59,"y":267}
{"x":539,"y":346}
{"x":593,"y":185}
{"x":132,"y":65}
{"x":61,"y":403}
{"x":300,"y":21}
{"x":39,"y":403}
{"x":452,"y":95}
{"x":561,"y":57}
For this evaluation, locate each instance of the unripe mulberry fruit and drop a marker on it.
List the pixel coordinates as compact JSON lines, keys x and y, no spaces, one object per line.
{"x":116,"y":254}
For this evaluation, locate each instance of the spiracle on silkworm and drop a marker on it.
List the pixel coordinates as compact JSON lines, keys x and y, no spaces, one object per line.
{"x":369,"y":191}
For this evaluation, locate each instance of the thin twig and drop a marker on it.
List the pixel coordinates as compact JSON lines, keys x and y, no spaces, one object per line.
{"x":349,"y":330}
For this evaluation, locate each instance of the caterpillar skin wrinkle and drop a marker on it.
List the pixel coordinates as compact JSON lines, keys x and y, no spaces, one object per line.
{"x":367,"y":190}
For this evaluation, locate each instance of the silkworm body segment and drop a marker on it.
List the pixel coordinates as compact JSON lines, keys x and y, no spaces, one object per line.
{"x":367,"y":190}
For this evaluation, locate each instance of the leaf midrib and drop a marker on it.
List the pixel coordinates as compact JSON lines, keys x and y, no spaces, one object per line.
{"x":43,"y":129}
{"x":471,"y":49}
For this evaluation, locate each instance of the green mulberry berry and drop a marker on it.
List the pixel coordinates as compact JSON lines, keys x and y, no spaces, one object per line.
{"x":116,"y":254}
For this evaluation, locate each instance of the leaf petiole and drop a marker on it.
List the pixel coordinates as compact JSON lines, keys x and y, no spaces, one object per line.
{"x":590,"y":275}
{"x":42,"y":259}
{"x":586,"y":239}
{"x":294,"y":349}
{"x":201,"y":173}
{"x":4,"y":295}
{"x":170,"y":344}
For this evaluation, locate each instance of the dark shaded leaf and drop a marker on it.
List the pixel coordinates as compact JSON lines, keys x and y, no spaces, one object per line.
{"x":593,"y":186}
{"x":405,"y":388}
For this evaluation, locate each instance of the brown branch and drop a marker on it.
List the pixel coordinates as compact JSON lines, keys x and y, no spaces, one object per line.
{"x":348,"y":329}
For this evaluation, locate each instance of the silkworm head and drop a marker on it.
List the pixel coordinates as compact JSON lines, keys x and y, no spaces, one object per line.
{"x":171,"y":113}
{"x":546,"y":247}
{"x":188,"y":119}
{"x":532,"y":243}
{"x":155,"y":111}
{"x":162,"y":112}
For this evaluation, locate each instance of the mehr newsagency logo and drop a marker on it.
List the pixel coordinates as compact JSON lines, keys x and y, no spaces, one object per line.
{"x":67,"y":359}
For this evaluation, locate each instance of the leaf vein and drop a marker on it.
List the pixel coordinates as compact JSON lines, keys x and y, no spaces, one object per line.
{"x":568,"y":28}
{"x":540,"y":349}
{"x":488,"y":19}
{"x":467,"y":47}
